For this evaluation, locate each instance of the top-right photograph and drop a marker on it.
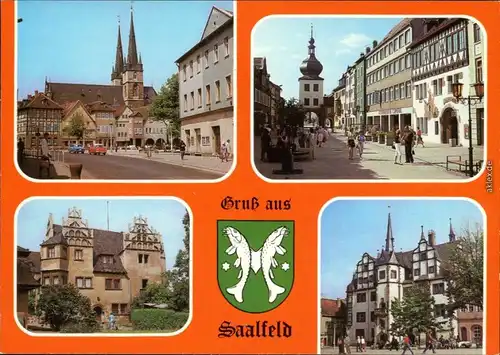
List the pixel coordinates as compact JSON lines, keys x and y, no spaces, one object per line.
{"x":369,"y":98}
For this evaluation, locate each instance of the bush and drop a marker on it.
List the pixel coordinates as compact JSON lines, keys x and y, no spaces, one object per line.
{"x":73,"y":328}
{"x":158,"y":319}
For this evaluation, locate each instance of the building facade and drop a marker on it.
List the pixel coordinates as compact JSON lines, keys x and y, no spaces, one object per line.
{"x":206,"y":87}
{"x":311,"y":86}
{"x":477,"y":45}
{"x":350,"y":97}
{"x":360,"y":91}
{"x":440,"y":57}
{"x":109,"y":267}
{"x":103,"y":102}
{"x":339,"y":105}
{"x":379,"y":279}
{"x":262,"y":97}
{"x":333,"y":321}
{"x":388,"y":75}
{"x":276,"y":103}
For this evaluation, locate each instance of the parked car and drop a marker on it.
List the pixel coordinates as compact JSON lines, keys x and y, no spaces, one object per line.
{"x":464,"y":344}
{"x":76,"y":149}
{"x":97,"y":149}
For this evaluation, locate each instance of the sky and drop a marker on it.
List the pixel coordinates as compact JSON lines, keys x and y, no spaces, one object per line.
{"x":339,"y":42}
{"x":163,"y":215}
{"x":75,"y":41}
{"x":349,"y":228}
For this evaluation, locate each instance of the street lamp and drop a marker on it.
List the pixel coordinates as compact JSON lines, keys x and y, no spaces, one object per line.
{"x":469,"y":100}
{"x":110,"y":143}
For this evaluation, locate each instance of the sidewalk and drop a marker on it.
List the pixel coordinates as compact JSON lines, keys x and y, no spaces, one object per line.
{"x":59,"y":170}
{"x":205,"y":163}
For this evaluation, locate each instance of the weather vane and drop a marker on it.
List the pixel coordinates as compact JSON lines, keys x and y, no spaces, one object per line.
{"x":131,"y":6}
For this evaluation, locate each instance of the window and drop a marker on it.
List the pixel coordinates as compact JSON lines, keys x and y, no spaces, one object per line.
{"x":119,"y":308}
{"x":113,"y":284}
{"x":479,"y":70}
{"x":208,"y":99}
{"x":115,"y":308}
{"x":407,"y":36}
{"x":217,"y":91}
{"x":144,"y":283}
{"x":199,"y":98}
{"x":440,"y":311}
{"x":360,"y":317}
{"x":108,"y":259}
{"x":229,"y":87}
{"x":307,"y":87}
{"x":416,"y":272}
{"x":315,"y":102}
{"x":55,"y":280}
{"x":402,"y":91}
{"x":372,"y":317}
{"x":434,"y":87}
{"x":142,"y":258}
{"x":381,"y":275}
{"x":185,"y":103}
{"x":394,"y":274}
{"x":461,"y":40}
{"x":46,"y":281}
{"x":198,"y":64}
{"x":436,"y":128}
{"x":396,"y":92}
{"x":432,"y":269}
{"x":226,"y":47}
{"x":477,"y":333}
{"x":361,"y":297}
{"x":192,"y":100}
{"x":184,"y":72}
{"x":216,"y":53}
{"x":191,"y":69}
{"x":316,"y":87}
{"x":477,"y":33}
{"x":391,"y":94}
{"x":78,"y":254}
{"x":438,"y":289}
{"x":51,"y":252}
{"x":396,"y":67}
{"x":83,"y":282}
{"x":373,"y":296}
{"x":206,"y":59}
{"x":306,"y":102}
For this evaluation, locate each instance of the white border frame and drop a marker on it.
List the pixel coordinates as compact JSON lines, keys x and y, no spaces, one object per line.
{"x":362,"y":181}
{"x":106,"y":335}
{"x":350,"y":198}
{"x":187,"y":181}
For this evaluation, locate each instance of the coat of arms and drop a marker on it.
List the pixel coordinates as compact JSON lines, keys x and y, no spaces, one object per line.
{"x":255,"y":263}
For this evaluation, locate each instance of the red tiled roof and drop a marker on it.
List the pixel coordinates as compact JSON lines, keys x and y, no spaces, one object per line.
{"x":329,"y":307}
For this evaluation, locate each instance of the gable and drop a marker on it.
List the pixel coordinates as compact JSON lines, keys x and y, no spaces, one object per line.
{"x":79,"y":109}
{"x":216,"y":19}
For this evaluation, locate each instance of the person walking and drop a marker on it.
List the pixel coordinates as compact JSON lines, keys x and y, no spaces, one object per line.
{"x":363,"y":345}
{"x":407,"y":345}
{"x":419,"y":138}
{"x":351,"y":144}
{"x":361,"y":144}
{"x":340,"y":344}
{"x":20,"y":151}
{"x":320,"y":138}
{"x":409,"y":137}
{"x":112,"y":321}
{"x":224,"y":152}
{"x":358,"y":344}
{"x":429,"y":342}
{"x":265,"y":143}
{"x":398,"y":155}
{"x":347,"y":344}
{"x":182,"y":149}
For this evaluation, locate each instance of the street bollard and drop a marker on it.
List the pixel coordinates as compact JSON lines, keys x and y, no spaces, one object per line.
{"x":75,"y":171}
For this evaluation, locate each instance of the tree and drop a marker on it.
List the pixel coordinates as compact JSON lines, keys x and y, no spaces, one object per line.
{"x":165,"y":107}
{"x":156,"y":293}
{"x":414,"y":312}
{"x":177,"y":279}
{"x":62,"y":305}
{"x":293,"y":113}
{"x":464,"y":270}
{"x":76,"y":127}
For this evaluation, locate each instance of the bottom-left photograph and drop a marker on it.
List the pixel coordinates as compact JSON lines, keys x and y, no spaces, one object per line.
{"x":103,"y":265}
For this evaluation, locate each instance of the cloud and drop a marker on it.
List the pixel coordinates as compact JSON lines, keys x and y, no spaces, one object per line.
{"x":355,"y":40}
{"x":267,"y":50}
{"x":342,"y":51}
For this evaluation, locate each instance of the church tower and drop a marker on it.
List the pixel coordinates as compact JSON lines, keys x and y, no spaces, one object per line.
{"x":133,"y":78}
{"x":117,"y":71}
{"x":311,"y":84}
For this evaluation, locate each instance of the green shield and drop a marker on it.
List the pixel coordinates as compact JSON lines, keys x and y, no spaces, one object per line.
{"x":255,"y":263}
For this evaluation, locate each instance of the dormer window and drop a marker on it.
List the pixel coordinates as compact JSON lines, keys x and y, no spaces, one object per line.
{"x":108,"y":259}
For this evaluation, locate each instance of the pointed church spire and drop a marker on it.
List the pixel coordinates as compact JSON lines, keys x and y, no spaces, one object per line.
{"x":422,"y":235}
{"x":119,"y":65}
{"x":389,"y":238}
{"x":132,"y":46}
{"x":452,"y":233}
{"x":312,"y":32}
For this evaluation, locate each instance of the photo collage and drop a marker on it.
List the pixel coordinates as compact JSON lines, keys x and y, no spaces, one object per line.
{"x":129,"y":130}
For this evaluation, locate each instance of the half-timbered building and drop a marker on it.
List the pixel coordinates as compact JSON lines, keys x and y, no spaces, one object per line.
{"x":440,"y":57}
{"x":378,"y":280}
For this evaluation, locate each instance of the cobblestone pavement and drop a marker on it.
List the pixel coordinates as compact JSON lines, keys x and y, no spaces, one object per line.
{"x":378,"y":163}
{"x":331,"y":350}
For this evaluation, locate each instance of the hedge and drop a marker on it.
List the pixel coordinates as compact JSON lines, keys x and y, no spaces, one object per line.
{"x":158,"y":319}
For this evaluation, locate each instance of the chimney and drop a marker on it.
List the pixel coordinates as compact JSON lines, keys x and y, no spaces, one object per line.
{"x":367,"y":50}
{"x":339,"y":302}
{"x":36,"y":92}
{"x":30,"y":96}
{"x":374,"y":44}
{"x":431,"y":238}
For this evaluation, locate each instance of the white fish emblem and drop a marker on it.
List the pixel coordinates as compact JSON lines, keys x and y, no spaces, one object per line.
{"x":272,"y":246}
{"x":239,"y":245}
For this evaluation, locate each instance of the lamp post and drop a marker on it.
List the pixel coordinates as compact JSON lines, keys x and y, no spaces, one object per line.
{"x":469,"y":100}
{"x":110,"y":143}
{"x":358,"y":113}
{"x":365,"y":112}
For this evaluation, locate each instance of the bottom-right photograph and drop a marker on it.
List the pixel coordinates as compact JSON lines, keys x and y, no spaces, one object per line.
{"x":401,"y":274}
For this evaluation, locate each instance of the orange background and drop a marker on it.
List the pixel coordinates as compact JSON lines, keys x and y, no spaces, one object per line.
{"x":209,"y":307}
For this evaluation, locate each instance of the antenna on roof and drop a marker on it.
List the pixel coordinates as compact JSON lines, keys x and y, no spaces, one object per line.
{"x":107,"y":213}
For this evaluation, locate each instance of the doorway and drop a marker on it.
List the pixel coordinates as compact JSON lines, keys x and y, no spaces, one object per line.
{"x":449,"y":126}
{"x":98,"y":313}
{"x":197,"y":132}
{"x":217,"y":140}
{"x":463,"y":334}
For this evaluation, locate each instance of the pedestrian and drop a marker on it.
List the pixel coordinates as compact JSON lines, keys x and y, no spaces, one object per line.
{"x":265,"y":144}
{"x":398,"y":155}
{"x":407,"y":345}
{"x":347,"y":344}
{"x":20,"y":151}
{"x":182,"y":149}
{"x":111,"y":321}
{"x":340,"y":344}
{"x":310,"y":143}
{"x":419,"y":137}
{"x":351,"y":144}
{"x":363,"y":344}
{"x":320,"y":138}
{"x":429,"y":342}
{"x":409,"y":138}
{"x":45,"y":155}
{"x":223,"y":151}
{"x":358,"y":344}
{"x":361,"y":144}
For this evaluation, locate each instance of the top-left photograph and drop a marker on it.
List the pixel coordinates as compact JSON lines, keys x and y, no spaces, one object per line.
{"x":125,"y":90}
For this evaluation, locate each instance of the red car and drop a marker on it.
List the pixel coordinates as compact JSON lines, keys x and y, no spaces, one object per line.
{"x":97,"y":149}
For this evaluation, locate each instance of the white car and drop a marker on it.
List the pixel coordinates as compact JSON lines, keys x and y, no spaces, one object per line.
{"x":464,"y":344}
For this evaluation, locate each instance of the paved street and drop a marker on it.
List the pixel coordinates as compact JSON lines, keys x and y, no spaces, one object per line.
{"x":330,"y":350}
{"x":378,"y":163}
{"x":128,"y":168}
